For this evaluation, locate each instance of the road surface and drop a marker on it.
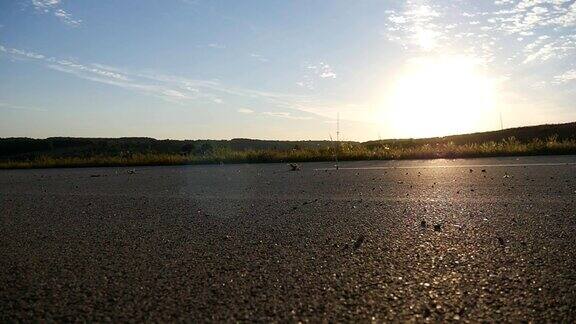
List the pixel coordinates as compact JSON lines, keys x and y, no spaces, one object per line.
{"x":470,"y":240}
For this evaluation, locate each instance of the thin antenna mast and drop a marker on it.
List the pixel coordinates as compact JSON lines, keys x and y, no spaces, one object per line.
{"x":337,"y":138}
{"x":337,"y":127}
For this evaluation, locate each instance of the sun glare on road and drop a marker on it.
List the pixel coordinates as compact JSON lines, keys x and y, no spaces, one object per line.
{"x":440,"y":96}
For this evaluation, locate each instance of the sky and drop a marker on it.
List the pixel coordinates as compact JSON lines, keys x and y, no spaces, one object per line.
{"x":270,"y":69}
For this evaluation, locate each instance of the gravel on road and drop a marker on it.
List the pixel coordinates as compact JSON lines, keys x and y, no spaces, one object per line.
{"x":440,"y":240}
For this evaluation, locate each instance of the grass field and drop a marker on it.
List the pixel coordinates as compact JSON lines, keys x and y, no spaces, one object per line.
{"x":344,"y":151}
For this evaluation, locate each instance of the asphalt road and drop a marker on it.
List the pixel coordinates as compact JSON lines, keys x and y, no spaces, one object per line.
{"x":373,"y":241}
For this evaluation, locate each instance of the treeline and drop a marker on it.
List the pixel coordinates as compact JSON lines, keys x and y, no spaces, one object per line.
{"x":560,"y":132}
{"x":532,"y":140}
{"x":67,"y":147}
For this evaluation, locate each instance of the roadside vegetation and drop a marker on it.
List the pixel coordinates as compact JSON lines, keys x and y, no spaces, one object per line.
{"x":325,"y":151}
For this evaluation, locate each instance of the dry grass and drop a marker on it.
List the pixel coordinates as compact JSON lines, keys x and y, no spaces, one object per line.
{"x":346,"y":152}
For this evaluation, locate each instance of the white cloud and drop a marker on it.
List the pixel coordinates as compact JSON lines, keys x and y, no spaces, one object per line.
{"x":26,"y":54}
{"x":4,"y":105}
{"x":180,"y":90}
{"x":283,"y":114}
{"x":53,"y":7}
{"x":245,"y":111}
{"x":544,"y":31}
{"x":330,"y":75}
{"x":45,"y":4}
{"x":398,"y":19}
{"x":543,"y":50}
{"x":415,"y":26}
{"x":565,"y":77}
{"x":322,"y":70}
{"x":216,"y":45}
{"x":259,"y":57}
{"x":314,"y":73}
{"x":423,"y":11}
{"x":66,"y":17}
{"x":91,"y":69}
{"x":306,"y":82}
{"x":174,"y":93}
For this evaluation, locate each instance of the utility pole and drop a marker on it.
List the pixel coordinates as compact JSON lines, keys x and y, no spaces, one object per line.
{"x":501,"y":124}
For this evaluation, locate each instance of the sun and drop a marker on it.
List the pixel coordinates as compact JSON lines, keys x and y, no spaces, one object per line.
{"x":440,"y":96}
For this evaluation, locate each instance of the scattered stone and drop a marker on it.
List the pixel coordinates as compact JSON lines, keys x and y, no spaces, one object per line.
{"x":484,"y":170}
{"x":94,"y":175}
{"x":294,"y":167}
{"x":359,"y":242}
{"x":426,"y":312}
{"x":437,"y":227}
{"x":501,"y":241}
{"x":471,"y":170}
{"x":132,"y":171}
{"x":423,"y":224}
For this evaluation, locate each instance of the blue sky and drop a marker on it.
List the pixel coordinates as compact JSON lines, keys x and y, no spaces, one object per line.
{"x":283,"y":69}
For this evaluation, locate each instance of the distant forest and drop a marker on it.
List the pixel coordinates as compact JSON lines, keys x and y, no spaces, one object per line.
{"x":24,"y":149}
{"x":18,"y":148}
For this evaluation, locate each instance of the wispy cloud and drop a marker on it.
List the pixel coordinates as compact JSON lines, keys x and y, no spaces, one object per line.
{"x":215,"y":46}
{"x":314,"y":73}
{"x":66,"y":17}
{"x":322,"y":70}
{"x":4,"y":105}
{"x":284,"y":114}
{"x":184,"y":91}
{"x":45,"y":5}
{"x":17,"y":53}
{"x":258,"y":57}
{"x":245,"y":111}
{"x":568,"y":76}
{"x":54,"y":7}
{"x":415,"y":25}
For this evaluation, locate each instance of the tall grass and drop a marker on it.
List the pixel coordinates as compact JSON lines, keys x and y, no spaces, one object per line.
{"x":346,"y":152}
